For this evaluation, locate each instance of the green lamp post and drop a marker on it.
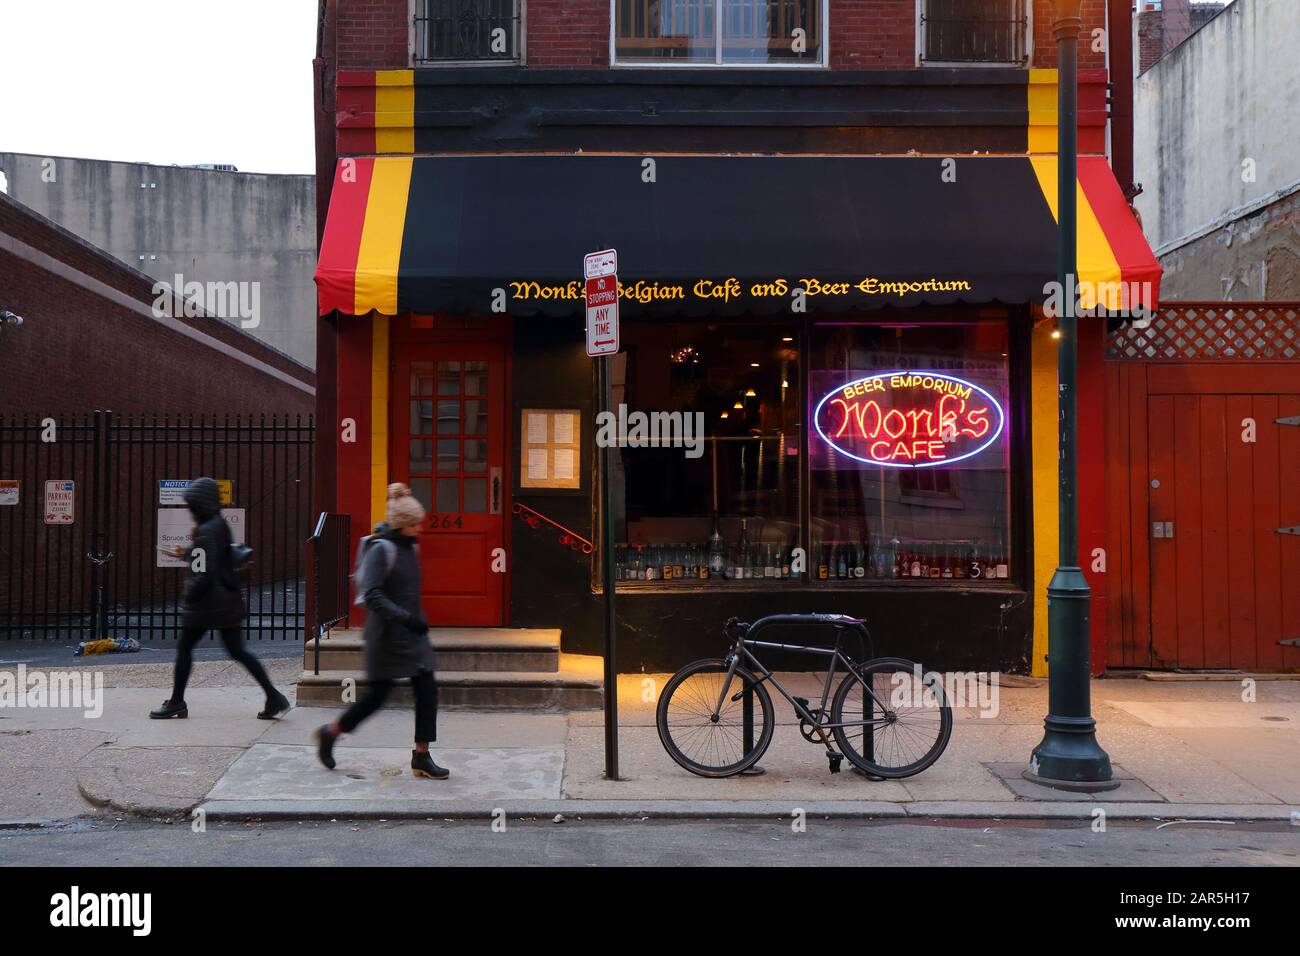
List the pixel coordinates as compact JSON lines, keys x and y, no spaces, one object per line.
{"x":1069,"y":757}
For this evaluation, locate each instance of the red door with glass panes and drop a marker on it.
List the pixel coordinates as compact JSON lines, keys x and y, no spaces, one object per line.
{"x":448,"y":444}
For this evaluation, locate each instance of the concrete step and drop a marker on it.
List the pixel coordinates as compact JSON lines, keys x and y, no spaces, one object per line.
{"x":486,"y":649}
{"x":575,"y":685}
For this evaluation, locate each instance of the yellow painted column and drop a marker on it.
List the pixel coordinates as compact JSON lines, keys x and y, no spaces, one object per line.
{"x":378,"y":416}
{"x":1044,"y":415}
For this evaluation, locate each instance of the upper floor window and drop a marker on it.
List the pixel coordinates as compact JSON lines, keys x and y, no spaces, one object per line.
{"x":974,"y":31}
{"x":466,"y":31}
{"x":720,"y":32}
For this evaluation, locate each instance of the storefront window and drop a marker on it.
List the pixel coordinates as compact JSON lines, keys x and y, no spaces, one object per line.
{"x":725,"y":507}
{"x":905,"y":453}
{"x":909,"y":452}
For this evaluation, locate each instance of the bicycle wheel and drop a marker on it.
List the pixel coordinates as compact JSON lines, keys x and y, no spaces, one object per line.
{"x":705,"y":744}
{"x":916,"y":715}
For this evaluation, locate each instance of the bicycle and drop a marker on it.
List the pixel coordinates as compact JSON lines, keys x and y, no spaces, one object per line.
{"x":904,"y":713}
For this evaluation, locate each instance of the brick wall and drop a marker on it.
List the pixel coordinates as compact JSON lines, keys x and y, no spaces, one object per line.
{"x":77,"y":350}
{"x":568,"y":33}
{"x":373,"y":34}
{"x":864,"y":34}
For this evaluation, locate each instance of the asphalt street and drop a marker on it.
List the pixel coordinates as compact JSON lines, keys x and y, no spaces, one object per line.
{"x":651,"y":843}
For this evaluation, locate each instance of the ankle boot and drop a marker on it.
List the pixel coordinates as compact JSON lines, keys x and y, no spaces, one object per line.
{"x":325,"y":745}
{"x":275,"y":706}
{"x":170,"y":708}
{"x":422,"y":765}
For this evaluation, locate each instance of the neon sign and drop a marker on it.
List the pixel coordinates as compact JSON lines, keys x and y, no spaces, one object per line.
{"x":917,"y":419}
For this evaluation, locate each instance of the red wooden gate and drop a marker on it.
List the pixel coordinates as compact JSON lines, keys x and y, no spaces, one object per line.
{"x":1203,"y":488}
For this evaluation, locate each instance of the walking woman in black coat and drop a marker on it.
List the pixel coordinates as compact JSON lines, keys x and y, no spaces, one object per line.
{"x":212,"y":600}
{"x":396,"y":634}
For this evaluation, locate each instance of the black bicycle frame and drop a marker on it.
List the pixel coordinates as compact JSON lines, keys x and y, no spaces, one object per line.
{"x":741,"y":649}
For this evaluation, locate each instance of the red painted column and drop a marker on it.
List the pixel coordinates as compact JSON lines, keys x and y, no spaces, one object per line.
{"x":353,"y":456}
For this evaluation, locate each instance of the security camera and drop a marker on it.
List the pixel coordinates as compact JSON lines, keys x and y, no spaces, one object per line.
{"x":10,"y":318}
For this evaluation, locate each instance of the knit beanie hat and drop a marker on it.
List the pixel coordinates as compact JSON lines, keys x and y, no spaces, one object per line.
{"x":403,"y":509}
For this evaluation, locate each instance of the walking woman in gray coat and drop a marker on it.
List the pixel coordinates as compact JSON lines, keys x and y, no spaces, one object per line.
{"x":396,"y":634}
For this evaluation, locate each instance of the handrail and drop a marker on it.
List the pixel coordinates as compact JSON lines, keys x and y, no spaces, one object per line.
{"x":328,"y":548}
{"x":534,"y":519}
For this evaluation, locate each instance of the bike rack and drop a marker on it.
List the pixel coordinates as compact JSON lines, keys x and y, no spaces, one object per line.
{"x":836,"y":621}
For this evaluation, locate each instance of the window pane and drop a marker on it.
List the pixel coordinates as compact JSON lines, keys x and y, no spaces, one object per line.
{"x":475,"y":495}
{"x":421,"y":378}
{"x":974,"y":31}
{"x":910,"y":470}
{"x":421,"y":456}
{"x":448,"y":495}
{"x":476,"y":378}
{"x":475,"y":456}
{"x":466,"y":30}
{"x":475,"y":417}
{"x":449,"y":418}
{"x":657,"y":31}
{"x":771,"y":31}
{"x":422,"y":417}
{"x":422,"y":489}
{"x":448,"y":378}
{"x":743,"y":383}
{"x":448,"y":456}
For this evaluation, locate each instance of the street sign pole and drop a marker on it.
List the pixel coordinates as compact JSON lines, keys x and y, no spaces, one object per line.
{"x":600,"y":271}
{"x":607,"y":551}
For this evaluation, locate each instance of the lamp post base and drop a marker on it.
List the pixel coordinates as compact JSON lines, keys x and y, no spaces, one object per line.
{"x":1069,"y":757}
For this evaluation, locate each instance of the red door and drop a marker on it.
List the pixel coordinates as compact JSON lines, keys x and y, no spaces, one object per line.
{"x":1222,"y":575}
{"x":448,"y":444}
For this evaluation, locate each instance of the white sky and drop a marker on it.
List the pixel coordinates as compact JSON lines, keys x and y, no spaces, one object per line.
{"x":161,"y":81}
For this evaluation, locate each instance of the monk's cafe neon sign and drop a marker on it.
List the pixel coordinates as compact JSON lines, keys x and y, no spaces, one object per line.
{"x":909,"y":419}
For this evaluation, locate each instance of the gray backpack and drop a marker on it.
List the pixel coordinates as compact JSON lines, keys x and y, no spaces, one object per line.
{"x":360,"y":583}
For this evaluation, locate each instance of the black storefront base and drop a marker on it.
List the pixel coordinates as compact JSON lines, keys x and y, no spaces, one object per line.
{"x":660,"y":629}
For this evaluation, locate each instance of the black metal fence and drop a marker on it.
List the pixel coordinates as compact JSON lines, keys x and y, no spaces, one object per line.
{"x":86,"y":501}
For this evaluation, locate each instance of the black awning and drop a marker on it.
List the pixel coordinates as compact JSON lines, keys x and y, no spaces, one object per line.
{"x":696,"y":235}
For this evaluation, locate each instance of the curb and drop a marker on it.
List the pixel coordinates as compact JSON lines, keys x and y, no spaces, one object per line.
{"x":279,"y":810}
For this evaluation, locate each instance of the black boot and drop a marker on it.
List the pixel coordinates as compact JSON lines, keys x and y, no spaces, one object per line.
{"x":170,"y":708}
{"x":275,"y":706}
{"x":422,"y":765}
{"x":325,"y":745}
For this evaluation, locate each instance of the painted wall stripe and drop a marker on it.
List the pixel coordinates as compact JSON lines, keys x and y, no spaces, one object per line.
{"x":395,"y":111}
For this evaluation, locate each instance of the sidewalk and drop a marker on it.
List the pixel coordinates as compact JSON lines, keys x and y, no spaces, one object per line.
{"x":1184,"y":750}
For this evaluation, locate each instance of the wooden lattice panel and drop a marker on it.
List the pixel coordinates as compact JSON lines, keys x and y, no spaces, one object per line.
{"x":1234,"y":332}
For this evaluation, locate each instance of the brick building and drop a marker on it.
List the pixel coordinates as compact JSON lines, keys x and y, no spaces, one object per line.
{"x":888,"y":163}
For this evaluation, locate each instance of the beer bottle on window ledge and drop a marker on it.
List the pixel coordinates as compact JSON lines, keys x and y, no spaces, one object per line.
{"x":717,"y":551}
{"x":1003,"y":564}
{"x":755,"y":562}
{"x":960,"y":567}
{"x":860,"y":560}
{"x":976,"y":563}
{"x":824,"y":563}
{"x":896,"y":558}
{"x":785,"y":562}
{"x":914,"y":561}
{"x":946,"y":566}
{"x":841,"y":561}
{"x":769,"y":561}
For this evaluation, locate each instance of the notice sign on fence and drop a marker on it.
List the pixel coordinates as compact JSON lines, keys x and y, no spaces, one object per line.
{"x":175,"y":525}
{"x":9,"y":491}
{"x":60,"y":502}
{"x":171,"y":491}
